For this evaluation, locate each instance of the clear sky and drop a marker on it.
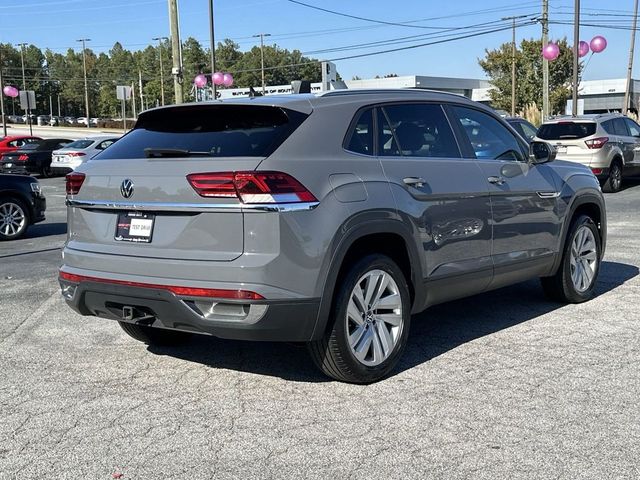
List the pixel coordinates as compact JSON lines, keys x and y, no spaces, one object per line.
{"x":56,"y":24}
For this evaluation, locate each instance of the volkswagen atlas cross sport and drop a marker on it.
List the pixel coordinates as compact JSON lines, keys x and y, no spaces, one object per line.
{"x":328,"y":219}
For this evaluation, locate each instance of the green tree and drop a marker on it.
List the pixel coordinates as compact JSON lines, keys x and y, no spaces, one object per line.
{"x":497,"y":66}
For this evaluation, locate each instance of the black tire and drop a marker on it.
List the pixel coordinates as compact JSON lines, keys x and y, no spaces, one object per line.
{"x":333,"y":354}
{"x":613,"y":183}
{"x":46,"y":172}
{"x":560,"y":287}
{"x":154,"y":336}
{"x":12,"y":205}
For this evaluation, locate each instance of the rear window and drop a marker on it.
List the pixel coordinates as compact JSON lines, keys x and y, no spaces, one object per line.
{"x":80,"y":144}
{"x":566,"y":130}
{"x":210,"y":130}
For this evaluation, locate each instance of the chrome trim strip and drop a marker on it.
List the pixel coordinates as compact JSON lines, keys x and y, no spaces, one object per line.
{"x":190,"y":207}
{"x":548,"y":194}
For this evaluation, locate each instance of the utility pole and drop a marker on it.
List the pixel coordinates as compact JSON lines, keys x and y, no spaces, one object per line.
{"x":4,"y":123}
{"x":213,"y":49}
{"x":160,"y":40}
{"x":142,"y":106}
{"x":24,"y":85}
{"x":545,"y":62}
{"x":513,"y":61}
{"x":86,"y":86}
{"x":627,"y":92}
{"x":262,"y":35}
{"x":576,"y":41}
{"x":176,"y":71}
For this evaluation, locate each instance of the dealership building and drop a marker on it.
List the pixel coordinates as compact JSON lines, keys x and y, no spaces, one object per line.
{"x":595,"y":96}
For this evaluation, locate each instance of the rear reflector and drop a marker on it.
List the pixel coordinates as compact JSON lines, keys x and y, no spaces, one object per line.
{"x":596,"y":171}
{"x":251,"y":187}
{"x":182,"y":291}
{"x":74,"y":182}
{"x":597,"y":142}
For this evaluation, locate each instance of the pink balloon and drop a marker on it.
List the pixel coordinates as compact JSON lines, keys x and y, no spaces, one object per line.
{"x":227,"y":79}
{"x":598,"y":44}
{"x":551,"y":51}
{"x":583,"y":48}
{"x":218,"y":78}
{"x":10,"y":91}
{"x":200,"y":81}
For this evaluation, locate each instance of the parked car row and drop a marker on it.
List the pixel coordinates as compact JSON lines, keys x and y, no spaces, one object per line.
{"x":53,"y":120}
{"x":51,"y":156}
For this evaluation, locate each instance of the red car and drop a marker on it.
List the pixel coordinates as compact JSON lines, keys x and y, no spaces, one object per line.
{"x":14,"y":142}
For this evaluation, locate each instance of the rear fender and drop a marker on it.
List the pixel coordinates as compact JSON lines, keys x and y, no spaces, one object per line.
{"x":359,"y":226}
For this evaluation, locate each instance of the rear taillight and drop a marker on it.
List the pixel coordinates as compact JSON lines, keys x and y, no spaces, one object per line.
{"x":76,"y":154}
{"x":251,"y":187}
{"x":597,"y":142}
{"x":74,"y":182}
{"x":597,"y":171}
{"x":23,"y":158}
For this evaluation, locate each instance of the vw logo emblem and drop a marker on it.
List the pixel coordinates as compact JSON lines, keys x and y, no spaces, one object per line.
{"x":126,"y":188}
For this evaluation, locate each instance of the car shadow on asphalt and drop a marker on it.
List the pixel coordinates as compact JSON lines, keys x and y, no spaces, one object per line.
{"x":434,"y":332}
{"x":46,"y":229}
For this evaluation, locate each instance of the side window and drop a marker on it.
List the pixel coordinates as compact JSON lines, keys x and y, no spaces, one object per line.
{"x":528,"y":129}
{"x":620,"y":127}
{"x":361,"y":140}
{"x":387,"y":146}
{"x":13,"y":143}
{"x":634,"y":128}
{"x":489,"y":139}
{"x":608,"y":127}
{"x":422,"y":130}
{"x":105,"y":144}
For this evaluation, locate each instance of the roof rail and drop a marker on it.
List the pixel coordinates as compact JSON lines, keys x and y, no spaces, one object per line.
{"x":373,"y":91}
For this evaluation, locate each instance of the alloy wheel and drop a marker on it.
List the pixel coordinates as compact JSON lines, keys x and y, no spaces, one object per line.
{"x":374,"y":318}
{"x":616,"y":178}
{"x":12,"y":219}
{"x":584,"y":259}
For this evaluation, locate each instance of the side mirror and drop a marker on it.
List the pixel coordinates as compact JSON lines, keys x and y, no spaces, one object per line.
{"x":541,"y":152}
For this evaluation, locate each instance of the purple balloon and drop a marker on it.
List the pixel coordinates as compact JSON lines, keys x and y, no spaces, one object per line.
{"x":598,"y":44}
{"x":227,"y":79}
{"x":218,"y":78}
{"x":583,"y":48}
{"x":551,"y":51}
{"x":10,"y":91}
{"x":200,"y":80}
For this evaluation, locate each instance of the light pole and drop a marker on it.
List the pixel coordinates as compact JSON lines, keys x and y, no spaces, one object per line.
{"x":576,"y":41}
{"x":262,"y":35}
{"x":4,"y":123}
{"x":213,"y":49}
{"x":24,"y":86}
{"x":86,"y":87}
{"x":160,"y":40}
{"x":513,"y":61}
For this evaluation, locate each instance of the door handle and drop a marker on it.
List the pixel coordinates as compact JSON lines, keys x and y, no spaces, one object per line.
{"x":416,"y":182}
{"x":496,"y":180}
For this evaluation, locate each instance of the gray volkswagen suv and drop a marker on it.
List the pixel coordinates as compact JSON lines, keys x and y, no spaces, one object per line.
{"x":327,"y":219}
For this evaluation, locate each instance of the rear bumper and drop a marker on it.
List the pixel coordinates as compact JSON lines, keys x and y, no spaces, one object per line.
{"x":263,"y":320}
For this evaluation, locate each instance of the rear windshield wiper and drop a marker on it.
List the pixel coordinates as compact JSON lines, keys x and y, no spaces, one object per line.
{"x":173,"y":152}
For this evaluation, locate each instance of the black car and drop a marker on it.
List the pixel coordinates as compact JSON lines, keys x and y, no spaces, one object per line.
{"x":524,"y":128}
{"x":32,"y":158}
{"x":21,"y":204}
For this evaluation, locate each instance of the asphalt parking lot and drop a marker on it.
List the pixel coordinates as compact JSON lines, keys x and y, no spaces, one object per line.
{"x":500,"y":385}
